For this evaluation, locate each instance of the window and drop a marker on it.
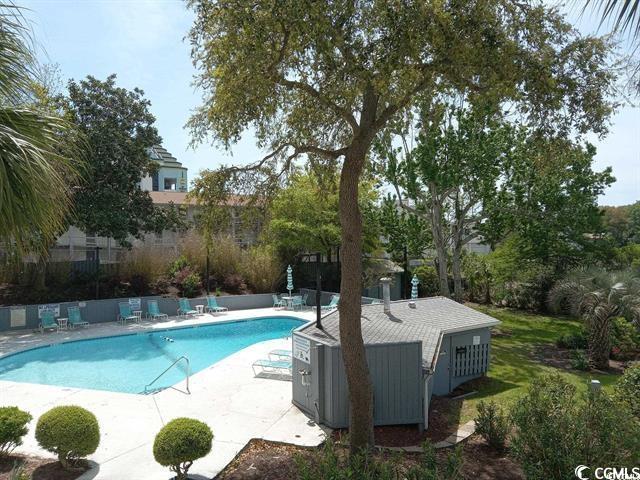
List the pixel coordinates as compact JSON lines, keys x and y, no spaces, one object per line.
{"x":170,"y":183}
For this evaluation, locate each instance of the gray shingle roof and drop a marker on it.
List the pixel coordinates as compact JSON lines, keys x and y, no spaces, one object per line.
{"x":432,"y":318}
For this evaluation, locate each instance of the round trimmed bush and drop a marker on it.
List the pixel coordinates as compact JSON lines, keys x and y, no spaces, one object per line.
{"x":180,"y":442}
{"x":13,"y":426}
{"x":70,"y":432}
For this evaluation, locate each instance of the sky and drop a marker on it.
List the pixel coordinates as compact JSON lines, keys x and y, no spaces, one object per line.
{"x":143,"y":42}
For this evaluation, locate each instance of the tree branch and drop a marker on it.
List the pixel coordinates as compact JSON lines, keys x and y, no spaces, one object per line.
{"x":343,"y":113}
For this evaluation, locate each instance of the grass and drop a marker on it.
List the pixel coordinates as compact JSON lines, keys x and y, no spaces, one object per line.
{"x":513,"y":363}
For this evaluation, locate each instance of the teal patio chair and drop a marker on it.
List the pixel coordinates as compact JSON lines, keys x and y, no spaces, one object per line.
{"x":278,"y":302}
{"x":125,"y":314}
{"x":185,"y":309}
{"x":333,"y":304}
{"x":213,"y":307}
{"x":153,"y":311}
{"x":48,"y":321}
{"x":75,"y":318}
{"x":296,"y":302}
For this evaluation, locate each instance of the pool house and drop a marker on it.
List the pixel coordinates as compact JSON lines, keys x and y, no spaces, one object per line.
{"x":415,"y":349}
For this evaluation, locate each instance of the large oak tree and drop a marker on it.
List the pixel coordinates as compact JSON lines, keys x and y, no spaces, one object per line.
{"x":324,"y":79}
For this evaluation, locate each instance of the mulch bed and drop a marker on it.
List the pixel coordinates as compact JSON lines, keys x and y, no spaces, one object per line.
{"x":560,"y":358}
{"x":39,"y":468}
{"x":275,"y":461}
{"x":265,"y":461}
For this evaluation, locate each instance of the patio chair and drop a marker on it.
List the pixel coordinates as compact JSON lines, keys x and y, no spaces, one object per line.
{"x":153,"y":311}
{"x":278,"y":302}
{"x":125,"y":314}
{"x":185,"y":309}
{"x":296,"y":302}
{"x":333,"y":304}
{"x":75,"y":318}
{"x":280,"y":354}
{"x":281,"y":367}
{"x":48,"y":321}
{"x":213,"y":307}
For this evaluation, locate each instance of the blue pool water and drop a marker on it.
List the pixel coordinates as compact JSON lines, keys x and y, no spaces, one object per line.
{"x":127,"y":363}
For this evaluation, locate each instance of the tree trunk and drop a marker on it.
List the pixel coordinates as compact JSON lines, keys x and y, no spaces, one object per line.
{"x":439,"y":242}
{"x":353,"y":351}
{"x":39,"y":281}
{"x":456,"y":254}
{"x":456,"y":269}
{"x":599,"y":340}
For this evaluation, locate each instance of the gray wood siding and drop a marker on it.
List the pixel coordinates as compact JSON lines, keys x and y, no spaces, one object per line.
{"x":396,"y":373}
{"x":460,"y":361}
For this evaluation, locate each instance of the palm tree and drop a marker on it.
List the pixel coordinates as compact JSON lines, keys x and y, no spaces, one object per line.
{"x":35,"y":176}
{"x":598,"y":296}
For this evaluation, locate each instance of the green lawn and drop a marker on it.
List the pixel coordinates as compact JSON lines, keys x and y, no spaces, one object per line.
{"x":513,"y":363}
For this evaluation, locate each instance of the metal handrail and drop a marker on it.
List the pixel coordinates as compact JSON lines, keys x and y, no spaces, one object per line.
{"x":169,"y":368}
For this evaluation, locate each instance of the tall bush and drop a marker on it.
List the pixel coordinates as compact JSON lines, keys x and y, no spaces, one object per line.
{"x":141,"y":266}
{"x":493,"y":425}
{"x":627,"y":389}
{"x":261,"y":268}
{"x":13,"y":426}
{"x":225,"y":257}
{"x":428,"y":277}
{"x":557,"y":429}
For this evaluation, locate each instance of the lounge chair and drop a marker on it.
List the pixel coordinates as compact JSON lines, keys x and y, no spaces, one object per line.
{"x":333,"y":304}
{"x":280,"y":354}
{"x":278,"y":302}
{"x":153,"y":311}
{"x":185,"y":309}
{"x":213,"y":307}
{"x":125,"y":314}
{"x":48,"y":321}
{"x":75,"y":318}
{"x":281,"y":367}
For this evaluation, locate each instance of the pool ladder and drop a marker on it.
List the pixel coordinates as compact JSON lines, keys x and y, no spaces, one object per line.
{"x":182,"y":358}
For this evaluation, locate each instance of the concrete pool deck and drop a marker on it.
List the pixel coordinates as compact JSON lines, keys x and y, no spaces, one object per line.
{"x":226,"y":395}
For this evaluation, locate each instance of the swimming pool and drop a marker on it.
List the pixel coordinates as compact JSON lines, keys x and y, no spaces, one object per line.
{"x":126,"y":363}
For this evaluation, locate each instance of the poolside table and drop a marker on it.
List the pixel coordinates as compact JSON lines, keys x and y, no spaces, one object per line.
{"x":138,"y":314}
{"x":288,"y":299}
{"x":200,"y":309}
{"x":63,"y":323}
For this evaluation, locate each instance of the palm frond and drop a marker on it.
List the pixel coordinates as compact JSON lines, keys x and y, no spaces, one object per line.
{"x":624,"y":13}
{"x":35,"y":177}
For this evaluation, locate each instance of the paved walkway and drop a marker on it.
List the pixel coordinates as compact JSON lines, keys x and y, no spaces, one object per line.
{"x":236,"y":405}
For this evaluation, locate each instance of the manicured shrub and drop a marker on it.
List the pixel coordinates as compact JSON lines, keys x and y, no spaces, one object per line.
{"x":493,"y":425}
{"x":70,"y":432}
{"x":180,"y":442}
{"x":13,"y":426}
{"x":556,"y":429}
{"x":573,"y":341}
{"x":627,"y":390}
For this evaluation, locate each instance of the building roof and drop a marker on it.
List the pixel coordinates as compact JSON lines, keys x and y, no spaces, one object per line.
{"x":428,"y":322}
{"x":181,"y":198}
{"x":164,"y":158}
